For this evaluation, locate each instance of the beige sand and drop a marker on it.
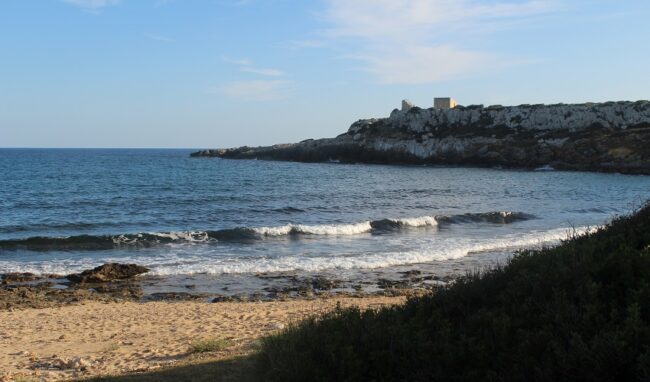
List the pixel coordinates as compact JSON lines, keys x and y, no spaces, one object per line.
{"x":128,"y":337}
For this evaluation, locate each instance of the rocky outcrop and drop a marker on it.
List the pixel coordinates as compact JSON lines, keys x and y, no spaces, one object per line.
{"x":107,"y":272}
{"x":18,"y":277}
{"x":611,"y":137}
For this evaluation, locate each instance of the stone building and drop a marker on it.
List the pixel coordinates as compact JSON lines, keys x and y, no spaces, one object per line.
{"x":444,"y":103}
{"x":407,"y":105}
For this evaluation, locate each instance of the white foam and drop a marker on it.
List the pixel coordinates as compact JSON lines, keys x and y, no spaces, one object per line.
{"x":126,"y":240}
{"x":451,"y":249}
{"x":188,"y":236}
{"x":323,"y":229}
{"x":206,"y":261}
{"x":192,"y":236}
{"x":547,"y":167}
{"x":274,"y":231}
{"x":422,"y":221}
{"x":340,"y":229}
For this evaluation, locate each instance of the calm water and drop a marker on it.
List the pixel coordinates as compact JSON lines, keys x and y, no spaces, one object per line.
{"x":67,"y":210}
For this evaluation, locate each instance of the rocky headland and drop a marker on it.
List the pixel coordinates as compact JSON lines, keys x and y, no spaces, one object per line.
{"x":607,"y":137}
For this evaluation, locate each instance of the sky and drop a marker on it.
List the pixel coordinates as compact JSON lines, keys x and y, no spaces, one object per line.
{"x":223,"y":73}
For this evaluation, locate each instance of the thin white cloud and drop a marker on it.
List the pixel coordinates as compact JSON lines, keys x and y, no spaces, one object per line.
{"x":302,"y":44}
{"x":235,"y":3}
{"x":92,"y":4}
{"x":160,"y":38}
{"x":421,"y":41}
{"x":256,"y":90}
{"x":263,"y":71}
{"x":237,"y":61}
{"x":421,"y":64}
{"x":418,"y":19}
{"x":246,"y":65}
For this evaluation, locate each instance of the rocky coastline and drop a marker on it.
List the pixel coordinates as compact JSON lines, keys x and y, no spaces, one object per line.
{"x":112,"y":283}
{"x":603,"y":137}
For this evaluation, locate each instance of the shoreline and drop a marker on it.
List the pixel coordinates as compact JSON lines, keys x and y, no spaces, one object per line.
{"x":22,"y":291}
{"x":96,"y":338}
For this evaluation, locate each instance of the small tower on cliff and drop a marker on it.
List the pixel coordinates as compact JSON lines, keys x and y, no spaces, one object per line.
{"x":444,"y":103}
{"x":407,"y":105}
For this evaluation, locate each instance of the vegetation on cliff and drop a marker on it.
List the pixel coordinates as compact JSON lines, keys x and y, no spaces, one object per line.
{"x":579,"y":311}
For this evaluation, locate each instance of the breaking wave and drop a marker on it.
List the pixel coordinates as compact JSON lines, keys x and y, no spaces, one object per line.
{"x":199,"y":262}
{"x":499,"y":217}
{"x":248,"y":234}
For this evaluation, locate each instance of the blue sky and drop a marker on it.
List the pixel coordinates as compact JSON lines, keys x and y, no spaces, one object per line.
{"x":221,"y":73}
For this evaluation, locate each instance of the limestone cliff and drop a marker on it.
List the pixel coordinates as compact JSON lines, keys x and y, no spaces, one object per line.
{"x":612,"y":137}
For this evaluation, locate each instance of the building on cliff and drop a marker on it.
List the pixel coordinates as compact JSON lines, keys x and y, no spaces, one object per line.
{"x":407,"y":105}
{"x":444,"y":103}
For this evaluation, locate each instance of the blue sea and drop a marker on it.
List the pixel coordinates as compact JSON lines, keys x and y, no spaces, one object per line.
{"x":66,"y":210}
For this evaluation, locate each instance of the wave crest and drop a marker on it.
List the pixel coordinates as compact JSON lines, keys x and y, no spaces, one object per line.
{"x":496,"y":217}
{"x":247,"y":234}
{"x":322,"y":229}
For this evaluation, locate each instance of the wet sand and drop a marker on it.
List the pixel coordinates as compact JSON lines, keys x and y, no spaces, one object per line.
{"x":107,"y":338}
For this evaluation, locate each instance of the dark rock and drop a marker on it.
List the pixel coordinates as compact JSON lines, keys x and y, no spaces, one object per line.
{"x":221,"y":298}
{"x":17,"y":277}
{"x":393,"y":284}
{"x":323,"y":283}
{"x":174,"y":296}
{"x":305,"y":290}
{"x":411,"y":274}
{"x":120,"y":289}
{"x":277,"y":275}
{"x":108,"y":272}
{"x":42,"y":295}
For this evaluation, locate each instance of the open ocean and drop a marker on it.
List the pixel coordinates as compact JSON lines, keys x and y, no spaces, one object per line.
{"x":66,"y":210}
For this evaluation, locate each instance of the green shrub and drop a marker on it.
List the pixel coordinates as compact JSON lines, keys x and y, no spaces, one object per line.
{"x":579,"y":311}
{"x":210,"y":345}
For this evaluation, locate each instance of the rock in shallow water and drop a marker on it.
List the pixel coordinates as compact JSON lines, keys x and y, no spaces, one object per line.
{"x":19,"y":277}
{"x":108,"y":272}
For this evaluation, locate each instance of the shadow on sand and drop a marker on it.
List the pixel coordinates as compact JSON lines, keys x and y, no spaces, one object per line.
{"x":229,"y":370}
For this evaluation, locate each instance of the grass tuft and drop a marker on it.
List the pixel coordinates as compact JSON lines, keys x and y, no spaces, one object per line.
{"x":210,"y":345}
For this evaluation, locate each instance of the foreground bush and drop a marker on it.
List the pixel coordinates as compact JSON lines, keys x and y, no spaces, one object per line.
{"x":580,"y":311}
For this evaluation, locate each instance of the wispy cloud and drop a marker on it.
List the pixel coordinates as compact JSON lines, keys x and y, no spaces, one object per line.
{"x":302,"y":44}
{"x":246,"y":65}
{"x":256,"y":90}
{"x":263,"y":71}
{"x":92,"y":4}
{"x":420,"y":41}
{"x":237,"y":61}
{"x":160,"y":38}
{"x":418,"y":63}
{"x":235,"y":3}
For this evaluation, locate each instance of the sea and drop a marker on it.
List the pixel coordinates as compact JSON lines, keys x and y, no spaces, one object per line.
{"x":219,"y":225}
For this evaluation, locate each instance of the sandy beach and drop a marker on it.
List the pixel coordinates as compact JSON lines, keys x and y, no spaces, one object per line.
{"x":95,"y":338}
